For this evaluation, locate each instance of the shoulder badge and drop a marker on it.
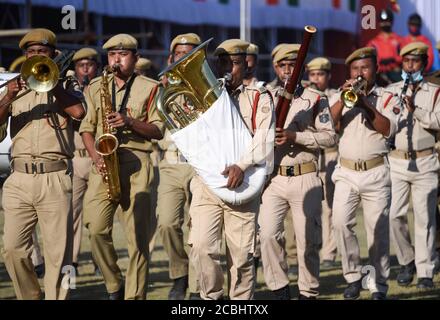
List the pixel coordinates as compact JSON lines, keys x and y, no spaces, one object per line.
{"x":324,"y":118}
{"x":265,"y":109}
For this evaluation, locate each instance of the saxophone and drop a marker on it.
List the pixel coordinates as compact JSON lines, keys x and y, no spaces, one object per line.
{"x":107,"y":143}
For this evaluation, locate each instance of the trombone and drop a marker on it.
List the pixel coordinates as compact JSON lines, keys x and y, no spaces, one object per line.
{"x":41,"y":73}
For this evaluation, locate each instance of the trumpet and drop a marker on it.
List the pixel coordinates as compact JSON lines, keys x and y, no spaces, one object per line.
{"x":41,"y":74}
{"x":350,"y":96}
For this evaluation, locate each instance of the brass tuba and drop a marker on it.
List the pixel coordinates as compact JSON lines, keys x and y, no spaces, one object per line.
{"x":349,"y":96}
{"x":107,"y":143}
{"x":192,"y":78}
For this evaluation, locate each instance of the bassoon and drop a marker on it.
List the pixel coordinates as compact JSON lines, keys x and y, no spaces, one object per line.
{"x":283,"y":105}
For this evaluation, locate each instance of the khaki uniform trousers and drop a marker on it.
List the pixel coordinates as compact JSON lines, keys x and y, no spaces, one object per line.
{"x":423,"y":186}
{"x":329,"y":248}
{"x":302,"y":195}
{"x":136,"y":173}
{"x":47,"y":199}
{"x":290,"y":240}
{"x":81,"y":170}
{"x":373,"y":188}
{"x":36,"y":256}
{"x":172,"y":206}
{"x":209,"y":216}
{"x":155,"y":156}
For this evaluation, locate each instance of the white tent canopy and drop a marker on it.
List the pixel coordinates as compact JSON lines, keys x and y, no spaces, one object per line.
{"x":319,"y":13}
{"x":213,"y":12}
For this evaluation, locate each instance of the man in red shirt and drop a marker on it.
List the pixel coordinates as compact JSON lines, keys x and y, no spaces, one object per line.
{"x":387,"y":44}
{"x":414,"y":27}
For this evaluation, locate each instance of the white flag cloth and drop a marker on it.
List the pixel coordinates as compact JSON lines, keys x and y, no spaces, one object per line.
{"x":216,"y":140}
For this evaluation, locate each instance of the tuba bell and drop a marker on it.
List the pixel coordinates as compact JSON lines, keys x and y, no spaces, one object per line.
{"x":209,"y":143}
{"x":192,"y":78}
{"x":349,"y":97}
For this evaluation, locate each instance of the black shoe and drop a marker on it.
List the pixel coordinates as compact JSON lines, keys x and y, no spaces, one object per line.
{"x":353,"y":290}
{"x":328,"y":264}
{"x":40,"y":270}
{"x":178,"y":291}
{"x":406,"y":274}
{"x":282,"y":294}
{"x":195,"y":296}
{"x":425,"y":283}
{"x":118,"y":295}
{"x":303,"y":297}
{"x":437,"y":264}
{"x":293,"y":270}
{"x":378,"y":296}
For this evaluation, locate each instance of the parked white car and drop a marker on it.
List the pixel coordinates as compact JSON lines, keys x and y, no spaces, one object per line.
{"x":5,"y":156}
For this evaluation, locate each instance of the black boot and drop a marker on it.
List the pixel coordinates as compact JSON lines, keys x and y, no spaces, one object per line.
{"x":425,"y":283}
{"x":118,"y":295}
{"x":378,"y":296}
{"x":353,"y":290}
{"x":282,"y":294}
{"x":406,"y":274}
{"x":178,"y":291}
{"x":195,"y":296}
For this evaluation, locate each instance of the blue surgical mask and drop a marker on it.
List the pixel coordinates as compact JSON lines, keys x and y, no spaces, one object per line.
{"x":415,"y":77}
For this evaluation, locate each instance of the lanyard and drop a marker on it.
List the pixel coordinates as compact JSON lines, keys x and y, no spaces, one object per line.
{"x":123,"y":106}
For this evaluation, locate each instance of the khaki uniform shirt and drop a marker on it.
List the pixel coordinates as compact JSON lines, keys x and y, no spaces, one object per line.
{"x":424,"y":121}
{"x":262,"y":145}
{"x":138,"y":99}
{"x":39,"y":129}
{"x":358,"y":140}
{"x":309,"y":116}
{"x":329,"y":92}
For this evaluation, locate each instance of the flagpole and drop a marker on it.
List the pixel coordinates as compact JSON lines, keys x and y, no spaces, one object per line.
{"x":245,"y":20}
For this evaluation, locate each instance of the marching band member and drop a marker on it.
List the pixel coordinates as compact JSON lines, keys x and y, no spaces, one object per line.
{"x":295,"y":185}
{"x":40,"y":186}
{"x":134,"y":116}
{"x":209,"y":214}
{"x":362,"y":174}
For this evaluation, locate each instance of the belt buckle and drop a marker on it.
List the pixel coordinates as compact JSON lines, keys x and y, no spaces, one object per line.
{"x":360,"y":165}
{"x":290,"y":171}
{"x":34,"y":168}
{"x":411,"y":154}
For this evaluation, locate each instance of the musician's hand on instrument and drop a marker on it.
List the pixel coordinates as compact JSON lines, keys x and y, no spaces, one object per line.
{"x":235,"y":174}
{"x":348,"y":84}
{"x":284,"y":136}
{"x":98,"y":161}
{"x":117,"y":120}
{"x":14,"y":87}
{"x":409,"y":103}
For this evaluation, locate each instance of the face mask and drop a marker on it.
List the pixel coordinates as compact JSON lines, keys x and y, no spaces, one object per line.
{"x":386,"y":29}
{"x":415,"y":77}
{"x":414,"y":30}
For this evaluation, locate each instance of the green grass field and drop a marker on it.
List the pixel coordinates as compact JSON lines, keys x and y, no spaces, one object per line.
{"x":90,"y":287}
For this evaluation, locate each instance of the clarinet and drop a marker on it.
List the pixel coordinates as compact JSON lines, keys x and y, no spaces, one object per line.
{"x":392,"y":141}
{"x":404,"y":90}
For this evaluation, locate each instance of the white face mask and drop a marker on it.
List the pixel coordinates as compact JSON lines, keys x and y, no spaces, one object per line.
{"x":415,"y":77}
